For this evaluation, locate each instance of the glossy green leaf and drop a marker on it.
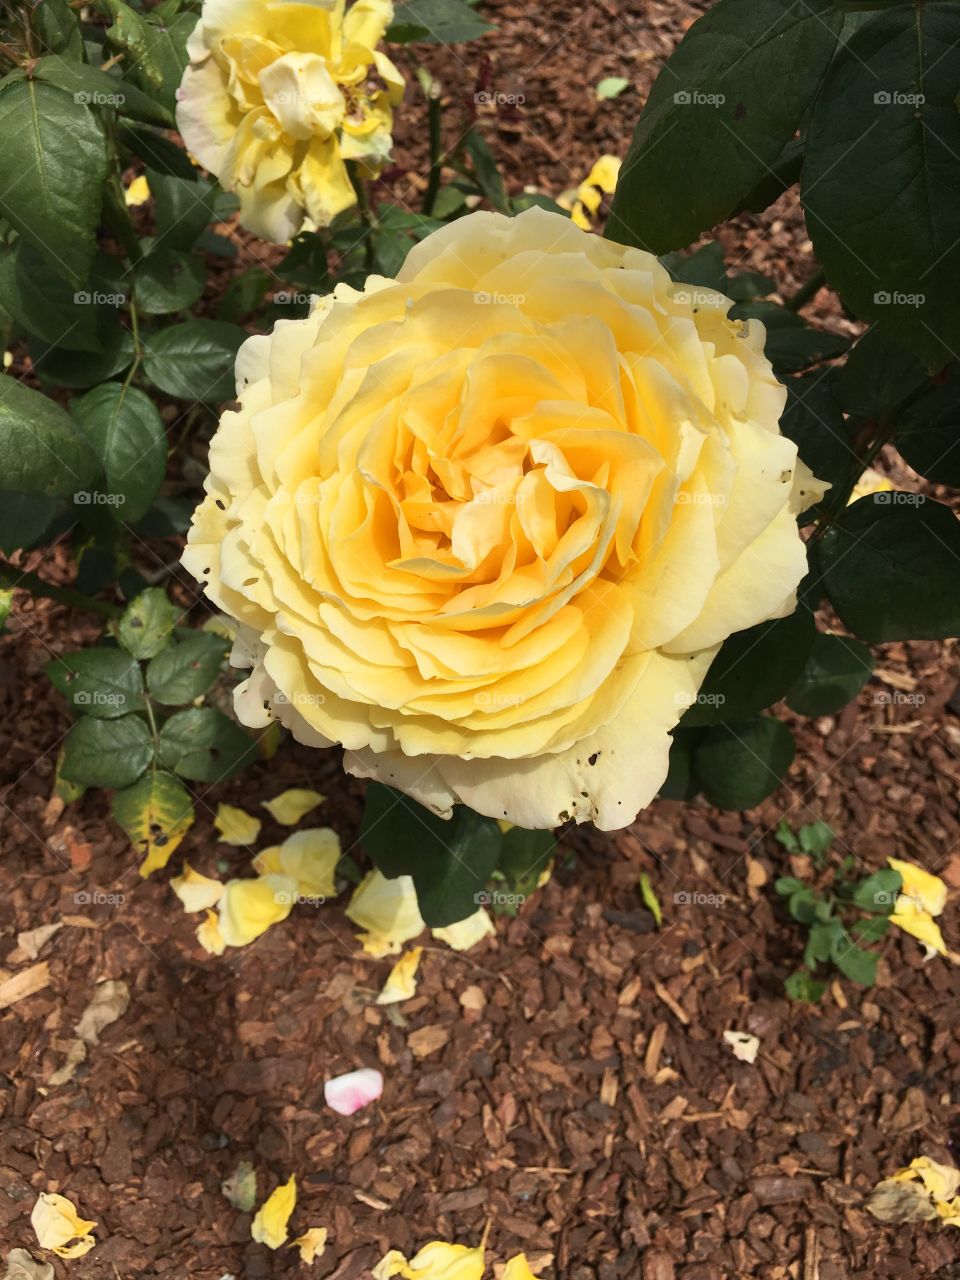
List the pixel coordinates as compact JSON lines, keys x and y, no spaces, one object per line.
{"x":41,"y":451}
{"x":168,"y":281}
{"x":127,"y":434}
{"x":107,"y":753}
{"x":195,"y":359}
{"x":836,"y":670}
{"x":147,"y":624}
{"x":105,"y":683}
{"x":738,"y":765}
{"x":436,"y":22}
{"x":202,"y":744}
{"x":186,"y":669}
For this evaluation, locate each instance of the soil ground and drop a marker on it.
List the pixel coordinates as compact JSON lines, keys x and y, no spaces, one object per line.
{"x":566,"y":1082}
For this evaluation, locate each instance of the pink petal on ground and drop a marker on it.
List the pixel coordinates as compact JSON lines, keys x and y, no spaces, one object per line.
{"x":347,"y":1094}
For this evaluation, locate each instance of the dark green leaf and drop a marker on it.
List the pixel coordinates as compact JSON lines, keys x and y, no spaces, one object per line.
{"x":928,"y":434}
{"x":157,"y":152}
{"x":719,"y":116}
{"x":790,"y":347}
{"x":837,"y":669}
{"x":128,"y":436}
{"x":803,"y":986}
{"x":47,"y":307}
{"x":878,"y":378}
{"x":435,"y":22}
{"x":57,"y":28}
{"x":184,"y":208}
{"x":878,"y":892}
{"x":753,"y":669}
{"x":129,"y":32}
{"x":244,"y":294}
{"x":803,"y":905}
{"x":57,"y":151}
{"x":58,"y":367}
{"x":204,"y":745}
{"x":453,"y":885}
{"x":739,"y":765}
{"x":24,"y":518}
{"x":891,"y":567}
{"x":681,"y":781}
{"x":99,"y":89}
{"x":822,"y":942}
{"x":195,"y":360}
{"x":186,"y":669}
{"x":870,"y":930}
{"x":786,"y":836}
{"x":168,"y":281}
{"x":147,"y":624}
{"x":485,"y":170}
{"x":41,"y":451}
{"x":782,"y":175}
{"x":524,"y":856}
{"x":880,"y":175}
{"x":815,"y":838}
{"x":787,"y":886}
{"x":107,"y":753}
{"x":854,"y":963}
{"x":167,"y":33}
{"x":400,"y":835}
{"x":99,"y":682}
{"x":813,"y":421}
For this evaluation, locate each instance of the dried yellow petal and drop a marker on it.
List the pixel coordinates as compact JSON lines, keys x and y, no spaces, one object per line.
{"x":236,"y":826}
{"x":388,"y":911}
{"x":312,"y":1244}
{"x":308,"y":857}
{"x":466,"y":933}
{"x":209,"y":935}
{"x":269,"y":1227}
{"x":401,"y":982}
{"x":941,"y":1180}
{"x":435,"y":1261}
{"x":290,"y":806}
{"x":197,"y":892}
{"x":56,"y":1222}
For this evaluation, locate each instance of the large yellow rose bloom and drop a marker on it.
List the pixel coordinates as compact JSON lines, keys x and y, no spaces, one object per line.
{"x":278,"y":96}
{"x":488,"y":523}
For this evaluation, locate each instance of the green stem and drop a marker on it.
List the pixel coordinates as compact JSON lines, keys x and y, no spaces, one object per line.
{"x":807,"y":291}
{"x":431,"y":91}
{"x":12,"y":578}
{"x":366,"y":214}
{"x":137,"y":345}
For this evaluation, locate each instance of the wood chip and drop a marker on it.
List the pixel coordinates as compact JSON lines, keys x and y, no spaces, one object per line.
{"x":427,"y":1040}
{"x":26,"y":983}
{"x":671,"y":1004}
{"x":651,"y":1058}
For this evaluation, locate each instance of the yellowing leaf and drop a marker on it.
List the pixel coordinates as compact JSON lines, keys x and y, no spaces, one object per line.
{"x":518,"y":1268}
{"x":388,"y":911}
{"x":249,"y":907}
{"x":137,"y":193}
{"x":241,"y":1187}
{"x":941,"y":1180}
{"x":466,"y":933}
{"x":197,"y":892}
{"x":111,"y":1000}
{"x":923,"y":1190}
{"x":219,"y":625}
{"x":401,"y":982}
{"x":209,"y":935}
{"x":236,"y":826}
{"x":270,"y":1225}
{"x":56,"y":1222}
{"x":21,"y":1266}
{"x":312,"y":1244}
{"x":290,"y":806}
{"x":156,"y":813}
{"x":651,"y":901}
{"x":308,"y":857}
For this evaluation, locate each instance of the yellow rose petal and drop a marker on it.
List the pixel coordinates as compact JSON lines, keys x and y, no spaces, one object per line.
{"x":236,"y":826}
{"x":209,"y":935}
{"x":387,"y":911}
{"x":290,"y":806}
{"x":605,"y":173}
{"x":518,"y":1268}
{"x":466,"y":933}
{"x":312,"y":1244}
{"x":269,"y":1227}
{"x":439,"y":1261}
{"x":249,"y":907}
{"x":309,"y":857}
{"x":401,"y":982}
{"x":941,"y":1180}
{"x":138,"y":192}
{"x":197,"y":892}
{"x":391,"y":1264}
{"x":56,"y":1222}
{"x":919,"y":924}
{"x":928,"y":891}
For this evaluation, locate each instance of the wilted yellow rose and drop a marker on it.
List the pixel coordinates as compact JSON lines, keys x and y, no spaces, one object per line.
{"x":278,"y":96}
{"x":488,"y":524}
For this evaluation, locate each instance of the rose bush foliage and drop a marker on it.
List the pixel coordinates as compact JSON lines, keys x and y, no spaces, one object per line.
{"x":487,"y":524}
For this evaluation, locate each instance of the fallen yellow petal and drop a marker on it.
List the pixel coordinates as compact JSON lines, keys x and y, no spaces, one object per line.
{"x":309,"y":857}
{"x":236,"y":826}
{"x":290,"y":806}
{"x":312,"y":1244}
{"x":391,"y":1264}
{"x":249,"y":907}
{"x":919,"y":924}
{"x":941,"y":1180}
{"x":269,"y":1227}
{"x":466,"y":933}
{"x":949,"y":1211}
{"x":439,"y":1261}
{"x":56,"y":1222}
{"x":870,"y":482}
{"x":605,"y":173}
{"x":197,"y":892}
{"x":209,"y":935}
{"x":927,"y":890}
{"x":518,"y":1268}
{"x":401,"y":982}
{"x":387,"y":910}
{"x":137,"y":193}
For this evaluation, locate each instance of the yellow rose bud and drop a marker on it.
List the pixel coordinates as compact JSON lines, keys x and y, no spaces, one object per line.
{"x":277,"y":97}
{"x":488,"y":524}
